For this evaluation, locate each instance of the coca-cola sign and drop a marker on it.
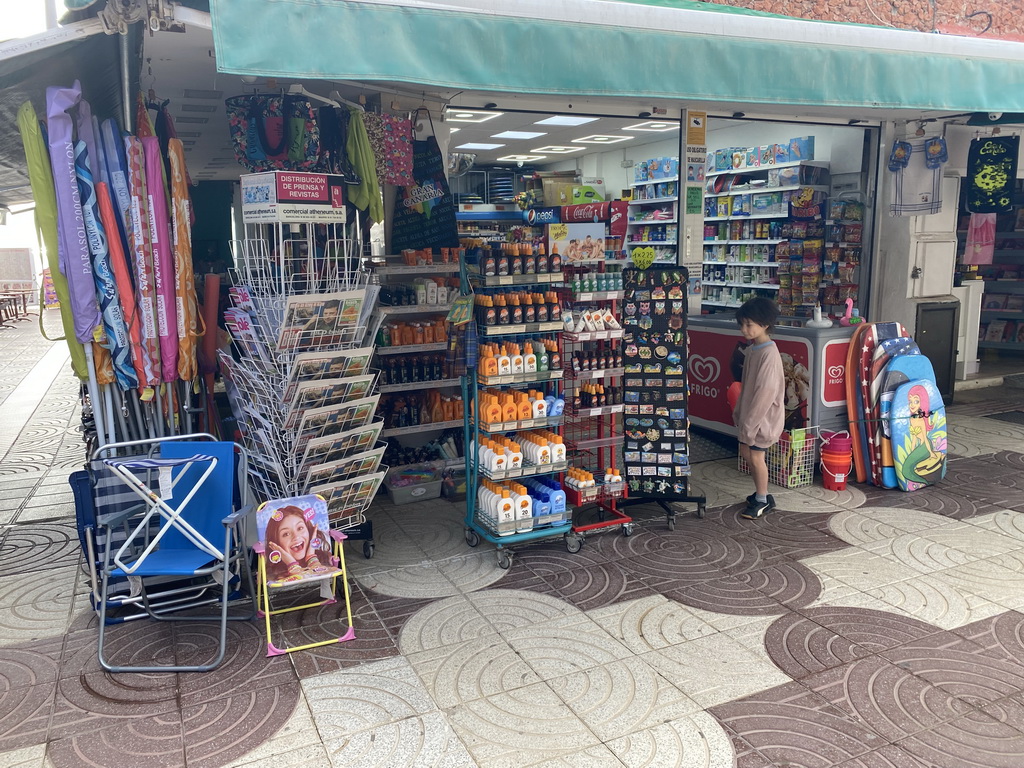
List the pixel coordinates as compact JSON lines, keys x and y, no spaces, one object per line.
{"x":592,"y":212}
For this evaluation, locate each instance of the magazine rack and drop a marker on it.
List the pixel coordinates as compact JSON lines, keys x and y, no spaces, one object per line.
{"x":299,"y":379}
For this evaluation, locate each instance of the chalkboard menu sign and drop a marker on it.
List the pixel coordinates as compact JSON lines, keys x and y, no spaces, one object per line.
{"x":656,"y":427}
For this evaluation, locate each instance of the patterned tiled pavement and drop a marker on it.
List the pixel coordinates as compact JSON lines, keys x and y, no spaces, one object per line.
{"x":855,"y":629}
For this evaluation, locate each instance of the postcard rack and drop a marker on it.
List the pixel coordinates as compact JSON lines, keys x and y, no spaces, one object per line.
{"x":298,"y":375}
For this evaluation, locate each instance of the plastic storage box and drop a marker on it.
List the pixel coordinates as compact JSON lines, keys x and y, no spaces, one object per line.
{"x":418,"y":482}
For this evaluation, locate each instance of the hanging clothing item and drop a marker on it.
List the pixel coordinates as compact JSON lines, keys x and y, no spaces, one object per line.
{"x":991,"y":173}
{"x":391,"y":139}
{"x":364,"y":196}
{"x":425,"y":211}
{"x":333,"y":140}
{"x":917,"y":182}
{"x":981,"y":239}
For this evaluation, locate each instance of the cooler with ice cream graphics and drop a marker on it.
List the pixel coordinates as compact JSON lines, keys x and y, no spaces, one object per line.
{"x":815,"y":366}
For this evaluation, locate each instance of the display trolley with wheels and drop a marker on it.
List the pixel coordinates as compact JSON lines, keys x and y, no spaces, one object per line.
{"x":512,"y":365}
{"x":593,"y":364}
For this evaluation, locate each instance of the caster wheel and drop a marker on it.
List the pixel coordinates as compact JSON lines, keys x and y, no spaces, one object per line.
{"x":368,"y":548}
{"x":504,"y":560}
{"x":472,"y":538}
{"x":701,"y":511}
{"x":573,"y":544}
{"x":671,"y":522}
{"x":627,"y":529}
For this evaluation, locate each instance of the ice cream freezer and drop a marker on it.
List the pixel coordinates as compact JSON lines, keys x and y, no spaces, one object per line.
{"x":814,"y":360}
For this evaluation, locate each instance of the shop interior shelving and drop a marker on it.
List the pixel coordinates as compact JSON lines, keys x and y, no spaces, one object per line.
{"x":1002,"y":306}
{"x":654,"y":218}
{"x":391,"y":271}
{"x":743,"y":228}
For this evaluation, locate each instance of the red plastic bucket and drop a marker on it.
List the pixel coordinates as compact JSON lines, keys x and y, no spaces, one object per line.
{"x":835,"y":468}
{"x":837,"y":442}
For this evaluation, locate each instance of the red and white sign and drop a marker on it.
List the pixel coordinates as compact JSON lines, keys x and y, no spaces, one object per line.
{"x":292,"y":197}
{"x":833,"y":372}
{"x":709,"y":357}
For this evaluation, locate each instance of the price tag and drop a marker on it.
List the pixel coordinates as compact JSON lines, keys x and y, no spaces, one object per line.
{"x":586,"y":297}
{"x":164,"y":480}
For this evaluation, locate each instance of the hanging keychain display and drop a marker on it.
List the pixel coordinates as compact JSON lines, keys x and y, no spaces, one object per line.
{"x":656,"y":427}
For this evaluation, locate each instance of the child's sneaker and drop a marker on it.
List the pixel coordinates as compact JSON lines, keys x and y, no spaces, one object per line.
{"x":756,"y":510}
{"x":752,"y":499}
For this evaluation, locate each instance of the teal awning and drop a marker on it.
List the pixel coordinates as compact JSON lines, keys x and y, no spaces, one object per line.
{"x":605,"y":49}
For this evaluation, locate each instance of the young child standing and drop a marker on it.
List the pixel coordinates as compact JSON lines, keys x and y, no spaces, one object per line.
{"x":759,"y":412}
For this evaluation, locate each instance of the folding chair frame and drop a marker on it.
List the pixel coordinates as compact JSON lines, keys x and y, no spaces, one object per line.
{"x":233,"y":527}
{"x":338,"y":550}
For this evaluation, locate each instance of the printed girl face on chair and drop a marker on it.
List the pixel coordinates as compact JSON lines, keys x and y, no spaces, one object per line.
{"x":295,"y":536}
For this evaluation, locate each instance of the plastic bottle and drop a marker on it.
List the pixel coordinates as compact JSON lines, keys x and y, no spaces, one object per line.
{"x":515,"y":455}
{"x":529,"y":359}
{"x":517,"y":309}
{"x":542,"y":260}
{"x":557,"y":408}
{"x":516,"y":260}
{"x":517,"y":360}
{"x":541,"y":350}
{"x":554,"y":308}
{"x":524,"y":509}
{"x":506,"y":513}
{"x":541,"y":308}
{"x":490,"y":263}
{"x":555,"y":262}
{"x":529,"y":310}
{"x":421,"y":293}
{"x":557,"y":497}
{"x":558,"y":451}
{"x":504,"y":362}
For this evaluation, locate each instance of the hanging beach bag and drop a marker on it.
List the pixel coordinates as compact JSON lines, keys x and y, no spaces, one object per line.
{"x":273,"y":133}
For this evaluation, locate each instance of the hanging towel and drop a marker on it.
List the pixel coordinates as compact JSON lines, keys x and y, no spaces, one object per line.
{"x":991,"y":174}
{"x":391,"y":139}
{"x":981,"y":239}
{"x":364,"y":196}
{"x":917,"y":188}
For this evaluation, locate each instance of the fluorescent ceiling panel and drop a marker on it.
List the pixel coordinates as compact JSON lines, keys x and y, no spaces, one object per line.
{"x":602,"y":138}
{"x":470,"y":115}
{"x":653,"y":126}
{"x":520,"y":158}
{"x":566,"y":120}
{"x":481,"y":147}
{"x":518,"y":135}
{"x":557,"y":149}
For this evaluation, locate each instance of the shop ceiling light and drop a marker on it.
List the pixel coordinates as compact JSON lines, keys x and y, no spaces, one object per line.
{"x":470,"y":115}
{"x":654,"y":126}
{"x":520,"y":158}
{"x":565,"y":120}
{"x":602,"y":138}
{"x":454,"y":130}
{"x":187,"y":119}
{"x":198,"y":108}
{"x":191,"y":93}
{"x":480,"y":147}
{"x":518,"y":135}
{"x":556,"y":149}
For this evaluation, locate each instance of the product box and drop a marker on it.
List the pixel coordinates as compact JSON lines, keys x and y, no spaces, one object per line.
{"x":739,"y":158}
{"x":753,"y":157}
{"x":557,"y":192}
{"x":781,"y":153}
{"x":292,"y":197}
{"x":801,"y":148}
{"x":586,"y":194}
{"x":766,"y":153}
{"x":723,"y":159}
{"x":789,"y":177}
{"x":404,"y":485}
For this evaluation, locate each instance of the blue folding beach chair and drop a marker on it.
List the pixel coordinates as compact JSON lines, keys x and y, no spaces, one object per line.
{"x":185,"y":531}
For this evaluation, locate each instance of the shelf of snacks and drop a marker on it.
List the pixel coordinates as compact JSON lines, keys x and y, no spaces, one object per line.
{"x":764,"y":227}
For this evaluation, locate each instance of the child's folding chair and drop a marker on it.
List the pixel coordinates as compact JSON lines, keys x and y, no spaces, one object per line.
{"x":186,"y":530}
{"x":296,"y":546}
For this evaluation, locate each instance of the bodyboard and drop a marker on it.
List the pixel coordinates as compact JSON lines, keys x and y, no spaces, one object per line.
{"x":918,"y":423}
{"x":884,"y":352}
{"x":877,"y":333}
{"x":899,"y":371}
{"x":853,"y":411}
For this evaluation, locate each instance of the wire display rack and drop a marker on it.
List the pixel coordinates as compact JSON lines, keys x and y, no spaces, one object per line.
{"x":593,"y":363}
{"x":480,"y":525}
{"x":792,"y":460}
{"x":298,"y":376}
